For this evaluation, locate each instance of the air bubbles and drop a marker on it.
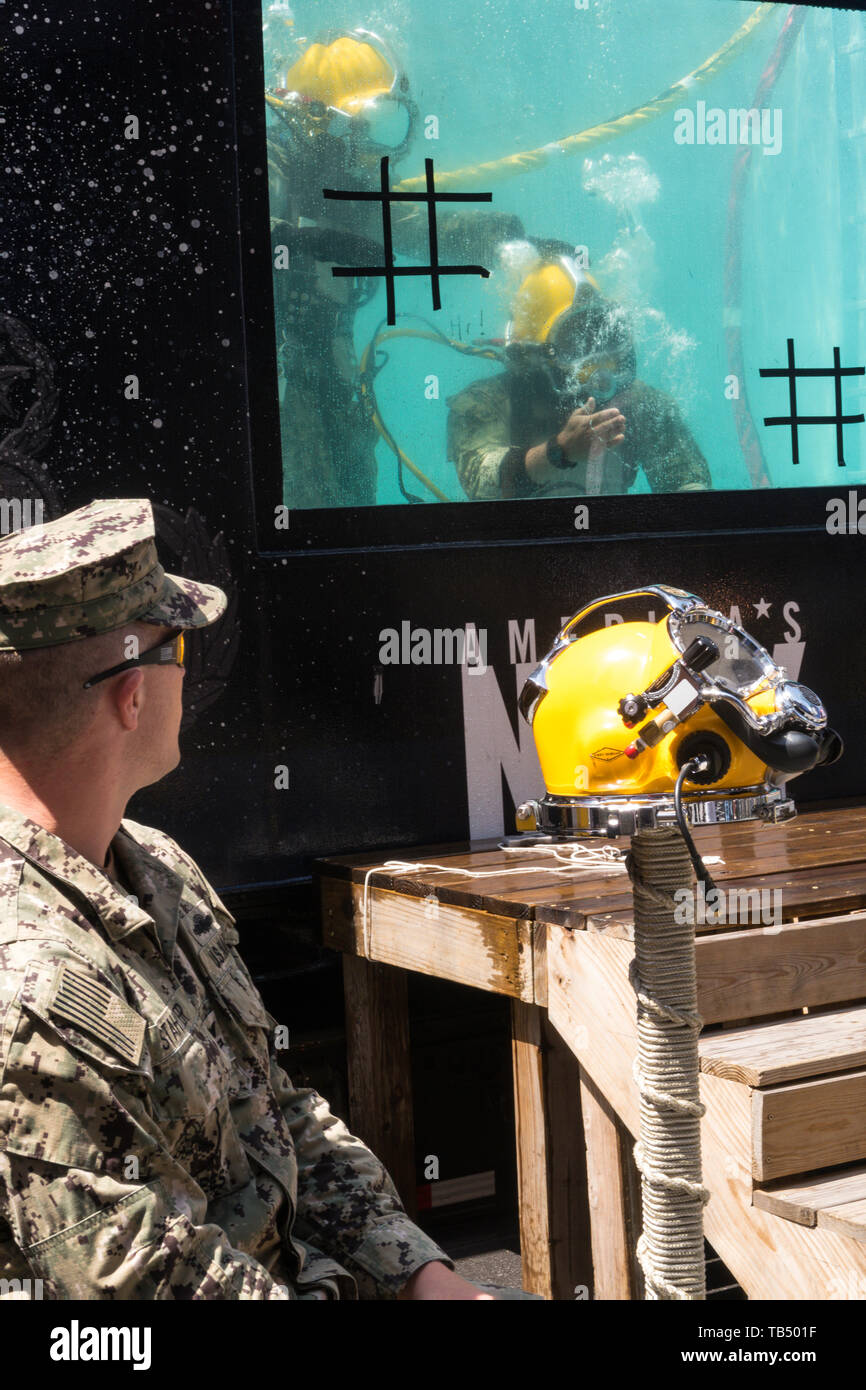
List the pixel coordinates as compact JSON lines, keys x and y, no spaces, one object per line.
{"x":624,"y":182}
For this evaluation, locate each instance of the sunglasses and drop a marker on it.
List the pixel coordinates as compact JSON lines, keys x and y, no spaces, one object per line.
{"x":157,"y":656}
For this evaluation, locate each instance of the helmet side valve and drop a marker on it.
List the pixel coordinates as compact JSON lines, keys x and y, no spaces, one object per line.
{"x":676,"y":690}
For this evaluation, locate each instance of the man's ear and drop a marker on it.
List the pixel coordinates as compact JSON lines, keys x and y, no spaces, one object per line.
{"x":128,"y":698}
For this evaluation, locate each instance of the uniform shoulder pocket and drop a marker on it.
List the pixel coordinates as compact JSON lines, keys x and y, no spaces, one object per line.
{"x":233,"y":981}
{"x":74,"y":1070}
{"x":77,"y":1002}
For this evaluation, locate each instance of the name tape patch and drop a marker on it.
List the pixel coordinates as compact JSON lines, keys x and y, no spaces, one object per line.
{"x":96,"y":1009}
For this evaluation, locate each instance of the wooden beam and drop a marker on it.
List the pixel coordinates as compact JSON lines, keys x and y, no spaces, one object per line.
{"x":744,"y":974}
{"x":551,"y":1161}
{"x":813,"y":1124}
{"x":452,"y":943}
{"x":607,"y":1160}
{"x":380,"y":1069}
{"x":570,"y":1228}
{"x":533,"y":1176}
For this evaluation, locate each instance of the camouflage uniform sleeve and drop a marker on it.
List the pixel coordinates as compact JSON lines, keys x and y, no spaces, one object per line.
{"x":347,"y":1204}
{"x":97,"y":1206}
{"x":479,"y":424}
{"x":658,"y":439}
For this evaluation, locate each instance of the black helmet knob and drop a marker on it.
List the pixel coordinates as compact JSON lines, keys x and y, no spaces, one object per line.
{"x":700,"y":654}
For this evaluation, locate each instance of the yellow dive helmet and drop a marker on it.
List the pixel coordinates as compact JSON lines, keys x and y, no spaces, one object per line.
{"x":348,"y":83}
{"x":344,"y":74}
{"x":623,"y":716}
{"x":549,"y":291}
{"x":561,"y":322}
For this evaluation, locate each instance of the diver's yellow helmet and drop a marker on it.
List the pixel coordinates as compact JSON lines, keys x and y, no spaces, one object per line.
{"x":549,"y":291}
{"x":345,"y":74}
{"x":619,"y":712}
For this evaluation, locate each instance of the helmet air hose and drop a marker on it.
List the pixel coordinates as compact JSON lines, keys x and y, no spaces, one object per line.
{"x":693,"y":770}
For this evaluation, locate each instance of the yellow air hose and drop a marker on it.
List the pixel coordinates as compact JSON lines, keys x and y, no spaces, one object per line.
{"x":368,"y":395}
{"x":527,"y":160}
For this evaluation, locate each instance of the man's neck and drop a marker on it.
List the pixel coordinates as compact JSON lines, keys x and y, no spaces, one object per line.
{"x":78,"y":806}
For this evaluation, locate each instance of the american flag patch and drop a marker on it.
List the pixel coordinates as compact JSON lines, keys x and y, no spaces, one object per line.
{"x":96,"y":1009}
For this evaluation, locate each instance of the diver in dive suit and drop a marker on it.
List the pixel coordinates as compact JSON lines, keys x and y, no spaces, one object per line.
{"x":326,"y":110}
{"x":569,"y":418}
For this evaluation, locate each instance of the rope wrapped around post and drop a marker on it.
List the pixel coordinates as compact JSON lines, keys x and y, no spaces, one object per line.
{"x":668,"y":1154}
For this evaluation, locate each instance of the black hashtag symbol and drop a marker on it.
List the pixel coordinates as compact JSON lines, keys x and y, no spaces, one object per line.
{"x":795,"y":420}
{"x":389,"y":270}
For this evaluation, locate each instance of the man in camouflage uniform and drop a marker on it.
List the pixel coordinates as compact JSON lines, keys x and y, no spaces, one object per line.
{"x":151,"y":1147}
{"x":490,"y":453}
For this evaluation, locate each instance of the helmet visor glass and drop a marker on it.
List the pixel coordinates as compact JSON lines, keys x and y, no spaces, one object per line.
{"x":385,"y":124}
{"x":741,"y":666}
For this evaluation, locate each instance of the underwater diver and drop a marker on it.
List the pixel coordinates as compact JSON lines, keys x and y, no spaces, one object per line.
{"x":341,"y":106}
{"x":569,"y":416}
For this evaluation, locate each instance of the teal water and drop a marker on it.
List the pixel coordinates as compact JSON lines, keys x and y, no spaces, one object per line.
{"x":503,"y":77}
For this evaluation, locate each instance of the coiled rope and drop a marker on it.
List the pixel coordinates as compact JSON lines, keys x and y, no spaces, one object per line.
{"x":666,"y":1070}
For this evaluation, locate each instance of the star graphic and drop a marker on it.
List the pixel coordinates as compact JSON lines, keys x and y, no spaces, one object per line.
{"x":762,"y":608}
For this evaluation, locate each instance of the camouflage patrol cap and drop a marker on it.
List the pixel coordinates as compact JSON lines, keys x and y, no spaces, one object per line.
{"x":92,"y":571}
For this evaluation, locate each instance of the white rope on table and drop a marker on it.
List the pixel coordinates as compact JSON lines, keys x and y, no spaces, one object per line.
{"x":572,"y":859}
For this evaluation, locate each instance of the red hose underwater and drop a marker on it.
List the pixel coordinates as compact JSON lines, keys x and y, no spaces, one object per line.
{"x":745,"y":425}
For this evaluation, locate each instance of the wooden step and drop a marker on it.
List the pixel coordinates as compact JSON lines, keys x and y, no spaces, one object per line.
{"x":835,"y":1200}
{"x":766,"y":1054}
{"x":811,"y":1124}
{"x":767,"y":970}
{"x":592,"y":1007}
{"x":820,"y":1119}
{"x":803,"y":1199}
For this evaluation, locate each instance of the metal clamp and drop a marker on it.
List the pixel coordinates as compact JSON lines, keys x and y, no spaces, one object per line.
{"x":565,"y":817}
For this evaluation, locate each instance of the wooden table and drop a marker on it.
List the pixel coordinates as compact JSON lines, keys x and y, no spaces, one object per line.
{"x":514,"y":934}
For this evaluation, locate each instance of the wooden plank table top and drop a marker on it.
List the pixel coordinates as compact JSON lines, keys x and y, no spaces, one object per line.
{"x":817,"y":860}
